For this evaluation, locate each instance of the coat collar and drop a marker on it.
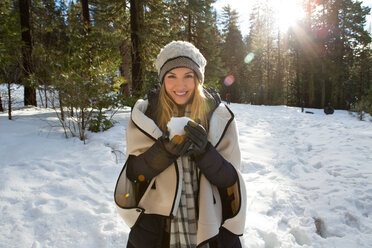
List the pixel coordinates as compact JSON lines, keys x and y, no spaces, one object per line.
{"x":219,"y":122}
{"x":144,"y":123}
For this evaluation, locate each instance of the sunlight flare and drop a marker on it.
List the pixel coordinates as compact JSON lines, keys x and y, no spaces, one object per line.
{"x":288,"y":12}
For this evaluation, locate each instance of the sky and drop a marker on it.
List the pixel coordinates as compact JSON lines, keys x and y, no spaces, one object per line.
{"x":244,"y":6}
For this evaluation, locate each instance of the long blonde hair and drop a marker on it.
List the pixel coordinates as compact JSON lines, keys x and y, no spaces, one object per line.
{"x":166,"y":107}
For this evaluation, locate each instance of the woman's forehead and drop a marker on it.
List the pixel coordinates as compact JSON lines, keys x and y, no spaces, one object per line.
{"x":181,"y":70}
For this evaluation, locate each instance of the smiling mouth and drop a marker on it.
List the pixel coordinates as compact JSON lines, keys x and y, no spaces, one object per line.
{"x":180,"y":93}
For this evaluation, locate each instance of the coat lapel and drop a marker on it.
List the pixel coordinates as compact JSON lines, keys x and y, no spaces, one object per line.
{"x":144,"y":123}
{"x":219,"y":121}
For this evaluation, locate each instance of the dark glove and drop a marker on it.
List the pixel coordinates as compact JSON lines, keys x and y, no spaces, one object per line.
{"x":217,"y":170}
{"x":164,"y":152}
{"x":157,"y":158}
{"x":177,"y":146}
{"x":199,"y":137}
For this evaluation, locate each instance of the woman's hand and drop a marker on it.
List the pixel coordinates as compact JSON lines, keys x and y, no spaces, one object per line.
{"x":157,"y":158}
{"x":199,"y":137}
{"x":177,"y":146}
{"x":217,"y":170}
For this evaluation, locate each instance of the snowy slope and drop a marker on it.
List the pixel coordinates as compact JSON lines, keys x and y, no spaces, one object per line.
{"x":301,"y":170}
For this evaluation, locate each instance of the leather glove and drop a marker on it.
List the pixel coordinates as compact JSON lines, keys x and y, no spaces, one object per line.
{"x":177,"y":146}
{"x":157,"y":158}
{"x":199,"y":137}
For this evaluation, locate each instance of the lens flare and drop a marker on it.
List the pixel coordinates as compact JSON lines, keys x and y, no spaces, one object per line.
{"x":141,"y":178}
{"x":248,"y":59}
{"x":177,"y":139}
{"x":229,"y":80}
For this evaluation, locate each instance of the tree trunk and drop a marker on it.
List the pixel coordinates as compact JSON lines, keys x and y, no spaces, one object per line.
{"x":1,"y":105}
{"x":189,"y":33}
{"x":9,"y":101}
{"x":269,"y":88}
{"x":310,"y":58}
{"x":278,"y":85}
{"x":125,"y":59}
{"x":61,"y":107}
{"x":24,"y":12}
{"x":136,"y":20}
{"x":323,"y":103}
{"x":323,"y":59}
{"x":86,"y":17}
{"x":298,"y":94}
{"x":125,"y":54}
{"x":46,"y":96}
{"x":311,"y":86}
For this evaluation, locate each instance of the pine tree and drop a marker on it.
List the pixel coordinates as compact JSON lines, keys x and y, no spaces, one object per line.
{"x":86,"y":77}
{"x":10,"y":47}
{"x":29,"y":88}
{"x":208,"y":40}
{"x":193,"y":21}
{"x":136,"y":21}
{"x":49,"y":32}
{"x":347,"y":38}
{"x":232,"y":54}
{"x":260,"y":45}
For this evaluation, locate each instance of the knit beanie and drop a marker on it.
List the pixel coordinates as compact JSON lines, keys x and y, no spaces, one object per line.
{"x":179,"y":54}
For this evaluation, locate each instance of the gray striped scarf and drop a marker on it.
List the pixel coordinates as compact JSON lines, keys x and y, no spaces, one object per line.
{"x":183,"y":226}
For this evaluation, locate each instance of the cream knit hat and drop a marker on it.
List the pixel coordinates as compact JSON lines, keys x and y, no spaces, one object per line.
{"x":179,"y":54}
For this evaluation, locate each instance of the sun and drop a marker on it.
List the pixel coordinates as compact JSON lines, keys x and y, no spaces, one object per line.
{"x":288,"y":12}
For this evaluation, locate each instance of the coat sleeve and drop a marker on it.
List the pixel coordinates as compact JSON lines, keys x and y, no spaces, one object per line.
{"x":150,"y":163}
{"x":216,"y":168}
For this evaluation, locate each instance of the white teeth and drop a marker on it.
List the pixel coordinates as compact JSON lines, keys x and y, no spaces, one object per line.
{"x":180,"y":94}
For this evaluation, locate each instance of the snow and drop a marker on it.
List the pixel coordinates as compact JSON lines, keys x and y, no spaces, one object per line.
{"x":176,"y":126}
{"x":308,"y":180}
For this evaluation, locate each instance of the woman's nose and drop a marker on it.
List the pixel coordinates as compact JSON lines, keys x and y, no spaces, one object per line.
{"x":181,"y":82}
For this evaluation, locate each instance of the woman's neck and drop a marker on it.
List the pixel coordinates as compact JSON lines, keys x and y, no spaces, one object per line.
{"x":181,"y":110}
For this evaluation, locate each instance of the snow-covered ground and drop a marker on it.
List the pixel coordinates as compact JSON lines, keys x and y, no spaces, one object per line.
{"x":308,"y":180}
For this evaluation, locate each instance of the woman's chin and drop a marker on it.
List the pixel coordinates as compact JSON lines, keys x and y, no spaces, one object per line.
{"x":183,"y":100}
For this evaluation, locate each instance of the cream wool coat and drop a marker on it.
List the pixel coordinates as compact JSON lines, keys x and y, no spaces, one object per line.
{"x":164,"y":199}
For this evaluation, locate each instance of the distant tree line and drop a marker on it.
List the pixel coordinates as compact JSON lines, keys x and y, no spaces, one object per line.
{"x":325,"y":57}
{"x":83,"y":52}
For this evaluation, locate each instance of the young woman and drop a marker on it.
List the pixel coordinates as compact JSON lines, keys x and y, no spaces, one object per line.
{"x":182,"y":192}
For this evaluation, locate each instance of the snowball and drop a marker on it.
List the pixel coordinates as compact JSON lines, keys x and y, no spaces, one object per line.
{"x":176,"y":124}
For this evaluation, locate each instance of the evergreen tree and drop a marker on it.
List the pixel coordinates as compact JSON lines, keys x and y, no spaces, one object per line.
{"x":49,"y":32}
{"x":232,"y":54}
{"x":196,"y":22}
{"x":208,"y":40}
{"x":27,"y":66}
{"x":157,"y":32}
{"x":137,"y":44}
{"x":112,"y":18}
{"x":86,"y":76}
{"x":260,"y":45}
{"x":326,"y":48}
{"x":347,"y":39}
{"x":10,"y":47}
{"x":364,"y":105}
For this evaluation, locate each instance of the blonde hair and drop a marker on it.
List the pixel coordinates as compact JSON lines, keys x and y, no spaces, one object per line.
{"x":199,"y":107}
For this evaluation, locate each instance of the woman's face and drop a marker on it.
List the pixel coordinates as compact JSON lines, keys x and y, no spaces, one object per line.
{"x":180,"y":85}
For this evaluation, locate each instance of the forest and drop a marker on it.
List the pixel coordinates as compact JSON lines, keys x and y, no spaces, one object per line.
{"x":92,"y":55}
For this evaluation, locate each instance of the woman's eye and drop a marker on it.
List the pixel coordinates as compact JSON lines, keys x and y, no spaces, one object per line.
{"x":189,"y":76}
{"x":171,"y":76}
